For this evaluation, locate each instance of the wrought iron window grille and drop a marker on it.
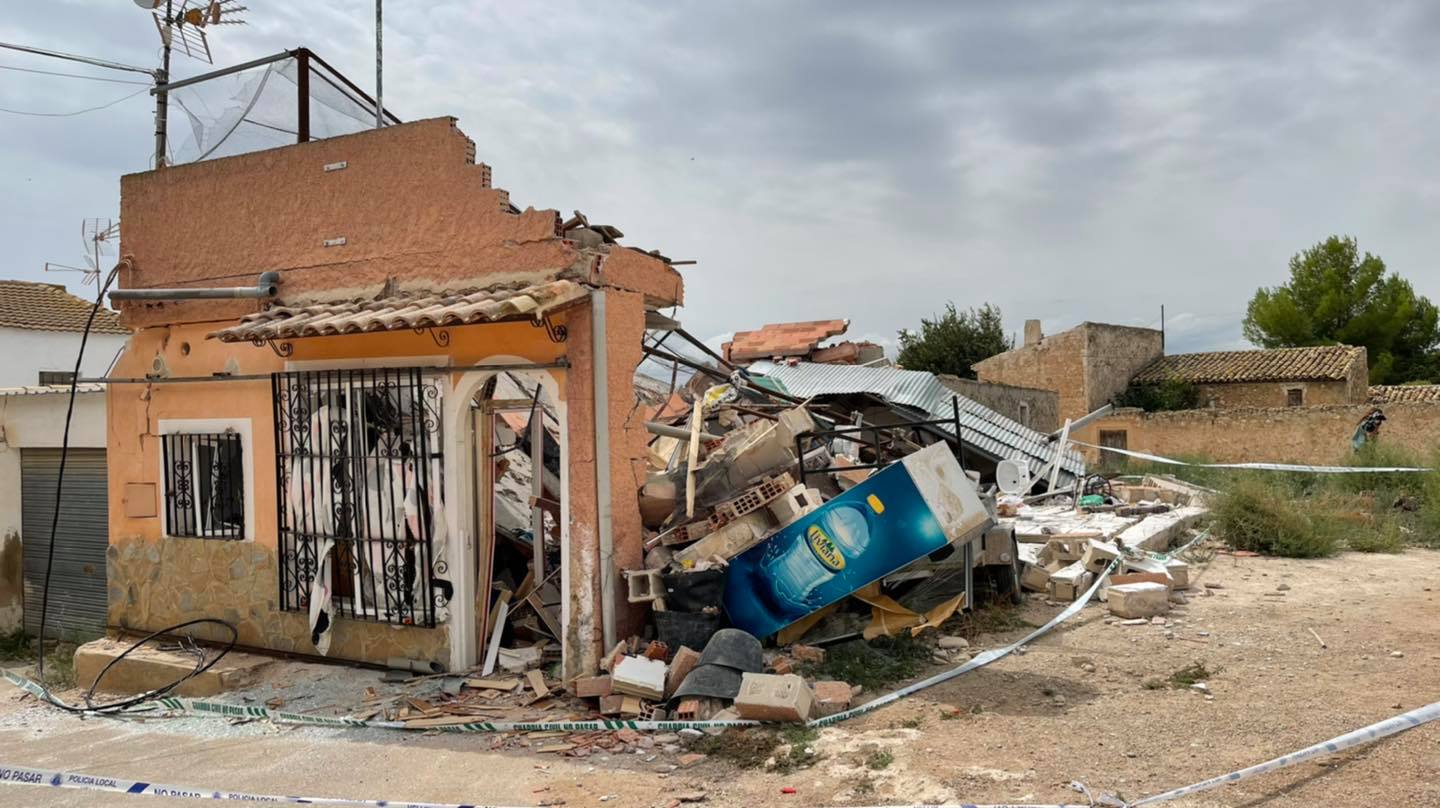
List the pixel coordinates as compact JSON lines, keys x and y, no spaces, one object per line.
{"x":359,"y":475}
{"x":204,"y":485}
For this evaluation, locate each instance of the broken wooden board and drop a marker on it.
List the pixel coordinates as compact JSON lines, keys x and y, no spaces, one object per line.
{"x":493,"y":684}
{"x":537,"y":683}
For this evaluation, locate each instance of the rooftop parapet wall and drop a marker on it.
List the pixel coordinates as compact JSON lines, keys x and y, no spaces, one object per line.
{"x":404,"y":207}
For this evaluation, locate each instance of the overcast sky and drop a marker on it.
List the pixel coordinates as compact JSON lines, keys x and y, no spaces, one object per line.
{"x":1064,"y":160}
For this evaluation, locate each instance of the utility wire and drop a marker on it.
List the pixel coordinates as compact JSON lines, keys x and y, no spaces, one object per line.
{"x":76,"y":112}
{"x":89,"y":60}
{"x":73,"y":75}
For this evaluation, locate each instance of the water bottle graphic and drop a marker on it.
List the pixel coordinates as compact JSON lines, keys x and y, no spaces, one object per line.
{"x":796,"y":571}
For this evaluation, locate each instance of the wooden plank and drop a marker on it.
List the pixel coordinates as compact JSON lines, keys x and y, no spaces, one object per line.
{"x":493,"y":652}
{"x":537,"y":683}
{"x":443,"y":721}
{"x":509,"y":683}
{"x":693,"y":459}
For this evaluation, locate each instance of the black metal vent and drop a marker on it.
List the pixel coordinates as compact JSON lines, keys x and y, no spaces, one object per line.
{"x":359,"y":473}
{"x":204,"y":485}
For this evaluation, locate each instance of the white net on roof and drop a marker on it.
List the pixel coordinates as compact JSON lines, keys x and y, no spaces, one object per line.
{"x":259,"y":109}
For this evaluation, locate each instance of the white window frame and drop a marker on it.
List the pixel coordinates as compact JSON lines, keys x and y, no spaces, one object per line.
{"x":212,"y":426}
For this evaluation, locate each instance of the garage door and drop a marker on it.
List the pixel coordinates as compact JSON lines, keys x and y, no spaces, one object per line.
{"x":77,"y":582}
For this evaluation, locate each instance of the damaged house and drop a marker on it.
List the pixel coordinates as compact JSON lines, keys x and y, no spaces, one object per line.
{"x":419,"y":415}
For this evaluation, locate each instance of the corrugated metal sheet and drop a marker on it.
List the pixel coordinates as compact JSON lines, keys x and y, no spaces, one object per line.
{"x":984,"y":430}
{"x":77,"y":582}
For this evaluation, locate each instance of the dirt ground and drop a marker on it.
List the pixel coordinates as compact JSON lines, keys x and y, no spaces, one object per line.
{"x":1074,"y":707}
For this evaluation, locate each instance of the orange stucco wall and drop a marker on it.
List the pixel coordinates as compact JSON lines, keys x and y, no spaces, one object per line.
{"x":410,"y":205}
{"x":416,"y":214}
{"x":158,"y":581}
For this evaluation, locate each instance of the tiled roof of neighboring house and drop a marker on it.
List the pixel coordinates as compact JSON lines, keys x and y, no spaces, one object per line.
{"x":1404,"y":393}
{"x":50,"y":389}
{"x":48,"y":307}
{"x":423,"y":310}
{"x":1321,"y":363}
{"x":781,"y":339}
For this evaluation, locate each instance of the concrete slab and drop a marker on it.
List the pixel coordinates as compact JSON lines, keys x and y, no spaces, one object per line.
{"x":149,"y":667}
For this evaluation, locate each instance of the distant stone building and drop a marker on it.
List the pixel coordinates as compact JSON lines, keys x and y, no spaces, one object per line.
{"x":1086,"y":366}
{"x":1281,"y":377}
{"x":1028,"y":406}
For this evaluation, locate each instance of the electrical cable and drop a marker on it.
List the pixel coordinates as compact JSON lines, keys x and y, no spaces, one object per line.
{"x":73,"y":75}
{"x":77,"y":112}
{"x":200,"y":664}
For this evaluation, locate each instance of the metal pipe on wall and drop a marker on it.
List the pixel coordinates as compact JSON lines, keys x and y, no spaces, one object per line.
{"x":603,"y":511}
{"x":268,"y":286}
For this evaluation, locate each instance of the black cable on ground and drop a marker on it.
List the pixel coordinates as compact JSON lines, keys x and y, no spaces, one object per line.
{"x":200,"y":665}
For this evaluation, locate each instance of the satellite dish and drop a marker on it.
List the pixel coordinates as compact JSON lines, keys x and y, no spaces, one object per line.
{"x":1012,"y":476}
{"x":148,"y":5}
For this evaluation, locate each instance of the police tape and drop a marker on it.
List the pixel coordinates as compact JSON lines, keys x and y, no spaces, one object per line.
{"x":18,"y":775}
{"x":1364,"y":735}
{"x":980,"y":660}
{"x":1298,"y":467}
{"x":216,"y":709}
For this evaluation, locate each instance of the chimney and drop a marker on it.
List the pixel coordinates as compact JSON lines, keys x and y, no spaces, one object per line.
{"x":1033,"y":335}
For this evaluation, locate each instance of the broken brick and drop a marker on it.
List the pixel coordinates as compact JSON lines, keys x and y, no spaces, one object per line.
{"x":685,"y":661}
{"x":592,"y":687}
{"x":808,"y":653}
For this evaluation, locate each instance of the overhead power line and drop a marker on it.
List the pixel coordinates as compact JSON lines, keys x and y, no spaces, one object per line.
{"x":76,"y":112}
{"x":72,"y":75}
{"x":89,"y":60}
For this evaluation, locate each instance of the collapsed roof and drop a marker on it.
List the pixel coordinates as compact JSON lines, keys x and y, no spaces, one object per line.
{"x":985,"y":431}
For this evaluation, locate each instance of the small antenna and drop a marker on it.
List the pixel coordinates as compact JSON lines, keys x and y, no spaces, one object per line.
{"x":185,"y":29}
{"x":98,"y":238}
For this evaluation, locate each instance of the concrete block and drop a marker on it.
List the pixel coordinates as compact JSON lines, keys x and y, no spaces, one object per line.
{"x":794,"y":504}
{"x":643,"y":586}
{"x":832,"y":697}
{"x":639,"y":676}
{"x":731,"y":540}
{"x":767,"y":697}
{"x":1179,"y":573}
{"x":1098,"y":556}
{"x":1156,"y":532}
{"x":1131,"y":601}
{"x":685,"y":661}
{"x":1070,"y":582}
{"x":792,"y":422}
{"x":593,"y":687}
{"x":1035,"y":578}
{"x":149,"y":668}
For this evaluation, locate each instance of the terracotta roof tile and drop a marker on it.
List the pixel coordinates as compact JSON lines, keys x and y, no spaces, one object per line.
{"x":782,"y":339}
{"x":421,"y":310}
{"x":1320,"y":363}
{"x":48,"y":307}
{"x":1404,"y":393}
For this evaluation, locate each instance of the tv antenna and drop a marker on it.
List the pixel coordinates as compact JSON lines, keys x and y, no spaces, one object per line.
{"x":183,"y":28}
{"x":99,"y":238}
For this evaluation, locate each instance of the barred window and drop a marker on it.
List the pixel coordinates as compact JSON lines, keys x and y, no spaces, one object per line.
{"x":204,"y":485}
{"x":359,"y":473}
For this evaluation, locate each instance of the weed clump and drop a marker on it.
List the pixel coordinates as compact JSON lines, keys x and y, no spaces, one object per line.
{"x":1194,"y":673}
{"x":874,"y":664}
{"x":879,"y":760}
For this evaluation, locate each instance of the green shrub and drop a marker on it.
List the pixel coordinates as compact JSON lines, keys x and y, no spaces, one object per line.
{"x":1385,"y":536}
{"x":1267,"y":516}
{"x":1172,"y":394}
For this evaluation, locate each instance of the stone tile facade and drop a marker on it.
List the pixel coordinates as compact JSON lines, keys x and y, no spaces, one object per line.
{"x":154,"y":584}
